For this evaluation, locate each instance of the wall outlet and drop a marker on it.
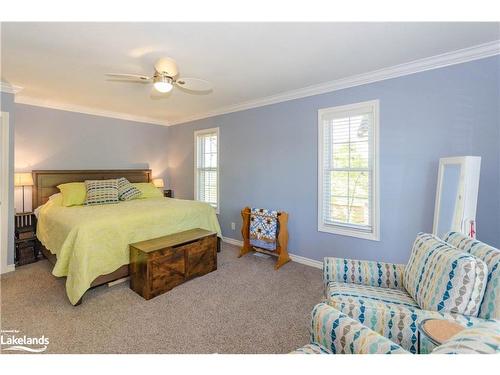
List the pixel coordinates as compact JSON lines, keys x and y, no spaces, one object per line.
{"x":233,"y":226}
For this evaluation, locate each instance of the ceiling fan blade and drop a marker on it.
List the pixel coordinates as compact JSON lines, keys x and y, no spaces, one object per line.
{"x":167,"y":66}
{"x":194,"y":84}
{"x":129,"y":77}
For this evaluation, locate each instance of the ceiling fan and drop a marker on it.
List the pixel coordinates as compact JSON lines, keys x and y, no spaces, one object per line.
{"x":165,"y":78}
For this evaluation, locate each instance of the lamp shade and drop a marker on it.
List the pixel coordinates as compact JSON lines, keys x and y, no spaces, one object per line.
{"x":23,"y":179}
{"x":158,"y":182}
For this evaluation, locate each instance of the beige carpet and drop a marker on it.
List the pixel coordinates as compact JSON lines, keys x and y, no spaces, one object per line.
{"x":243,"y":307}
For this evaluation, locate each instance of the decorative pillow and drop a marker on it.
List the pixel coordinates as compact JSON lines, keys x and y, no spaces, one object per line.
{"x":148,"y":190}
{"x":73,"y":193}
{"x":127,"y":191}
{"x":442,"y":278}
{"x":490,"y":307}
{"x":101,"y":192}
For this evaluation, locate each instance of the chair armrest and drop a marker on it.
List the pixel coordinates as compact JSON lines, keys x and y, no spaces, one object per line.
{"x":366,"y":272}
{"x":484,"y":338}
{"x":339,"y":334}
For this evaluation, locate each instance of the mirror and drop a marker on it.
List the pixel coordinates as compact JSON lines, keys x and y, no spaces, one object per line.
{"x":448,"y":198}
{"x":456,"y":195}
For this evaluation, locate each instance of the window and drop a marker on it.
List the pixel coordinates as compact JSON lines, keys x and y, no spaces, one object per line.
{"x":206,"y":181}
{"x":348,"y":170}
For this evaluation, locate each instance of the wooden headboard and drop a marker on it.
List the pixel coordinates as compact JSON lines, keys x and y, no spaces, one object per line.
{"x":46,"y":181}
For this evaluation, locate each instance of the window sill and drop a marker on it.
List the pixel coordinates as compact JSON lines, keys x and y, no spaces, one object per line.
{"x":346,"y":231}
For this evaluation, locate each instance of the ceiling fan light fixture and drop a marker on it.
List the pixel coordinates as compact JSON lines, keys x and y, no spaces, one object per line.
{"x":163,"y":84}
{"x":165,"y":77}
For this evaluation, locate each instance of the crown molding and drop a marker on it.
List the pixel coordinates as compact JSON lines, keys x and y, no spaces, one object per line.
{"x":8,"y":88}
{"x":87,"y":110}
{"x":477,"y":52}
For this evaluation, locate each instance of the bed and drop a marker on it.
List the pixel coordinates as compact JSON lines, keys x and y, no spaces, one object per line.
{"x":89,"y":244}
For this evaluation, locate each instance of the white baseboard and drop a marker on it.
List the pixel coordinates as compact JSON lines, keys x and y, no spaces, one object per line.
{"x":232,"y":241}
{"x":295,"y":258}
{"x":307,"y":261}
{"x":7,"y":268}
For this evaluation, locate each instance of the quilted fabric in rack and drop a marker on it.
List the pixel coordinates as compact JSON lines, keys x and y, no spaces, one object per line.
{"x":263,"y":228}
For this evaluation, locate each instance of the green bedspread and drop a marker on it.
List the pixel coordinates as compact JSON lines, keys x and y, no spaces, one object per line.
{"x":90,"y":241}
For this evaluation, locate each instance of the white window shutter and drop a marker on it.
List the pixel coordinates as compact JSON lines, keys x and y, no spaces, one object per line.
{"x":207,"y":166}
{"x":348,"y":170}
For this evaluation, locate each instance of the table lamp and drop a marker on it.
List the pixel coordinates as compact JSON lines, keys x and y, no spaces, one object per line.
{"x":159,"y":183}
{"x":23,"y":179}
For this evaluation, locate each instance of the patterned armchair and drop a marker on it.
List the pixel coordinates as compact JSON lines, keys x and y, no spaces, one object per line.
{"x":454,"y":278}
{"x":333,"y":332}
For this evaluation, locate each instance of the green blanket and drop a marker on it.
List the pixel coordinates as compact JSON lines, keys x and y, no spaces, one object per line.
{"x":90,"y":241}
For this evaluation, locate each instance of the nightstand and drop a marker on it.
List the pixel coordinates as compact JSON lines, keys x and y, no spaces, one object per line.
{"x":26,"y":249}
{"x":168,"y":193}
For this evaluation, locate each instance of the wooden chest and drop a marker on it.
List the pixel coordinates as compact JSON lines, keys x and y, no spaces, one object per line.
{"x":160,"y":264}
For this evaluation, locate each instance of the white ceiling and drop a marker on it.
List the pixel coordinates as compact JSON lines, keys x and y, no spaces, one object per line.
{"x":64,"y":63}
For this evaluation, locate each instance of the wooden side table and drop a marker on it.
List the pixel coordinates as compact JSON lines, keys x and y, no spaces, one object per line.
{"x":437,"y":331}
{"x":26,"y":249}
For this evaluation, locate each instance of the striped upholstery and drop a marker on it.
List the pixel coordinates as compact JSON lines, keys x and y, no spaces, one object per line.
{"x":390,"y":312}
{"x":490,"y":306}
{"x":338,"y":333}
{"x":311,"y":349}
{"x":443,"y":282}
{"x":334,"y":332}
{"x":364,"y":272}
{"x":442,"y":278}
{"x":483,"y":339}
{"x":369,"y":296}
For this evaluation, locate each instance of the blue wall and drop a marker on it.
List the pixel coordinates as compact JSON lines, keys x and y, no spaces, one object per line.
{"x":268,"y":157}
{"x":53,"y":139}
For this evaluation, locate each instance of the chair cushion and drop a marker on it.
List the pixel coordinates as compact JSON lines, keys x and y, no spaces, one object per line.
{"x":482,"y":339}
{"x":442,"y":278}
{"x":370,"y":296}
{"x":490,"y":306}
{"x":390,"y":312}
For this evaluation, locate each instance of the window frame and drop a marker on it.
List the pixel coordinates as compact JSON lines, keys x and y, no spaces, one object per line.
{"x":197,"y":133}
{"x":348,"y":229}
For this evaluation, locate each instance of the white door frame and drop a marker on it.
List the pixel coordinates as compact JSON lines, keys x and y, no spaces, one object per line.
{"x":4,"y":191}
